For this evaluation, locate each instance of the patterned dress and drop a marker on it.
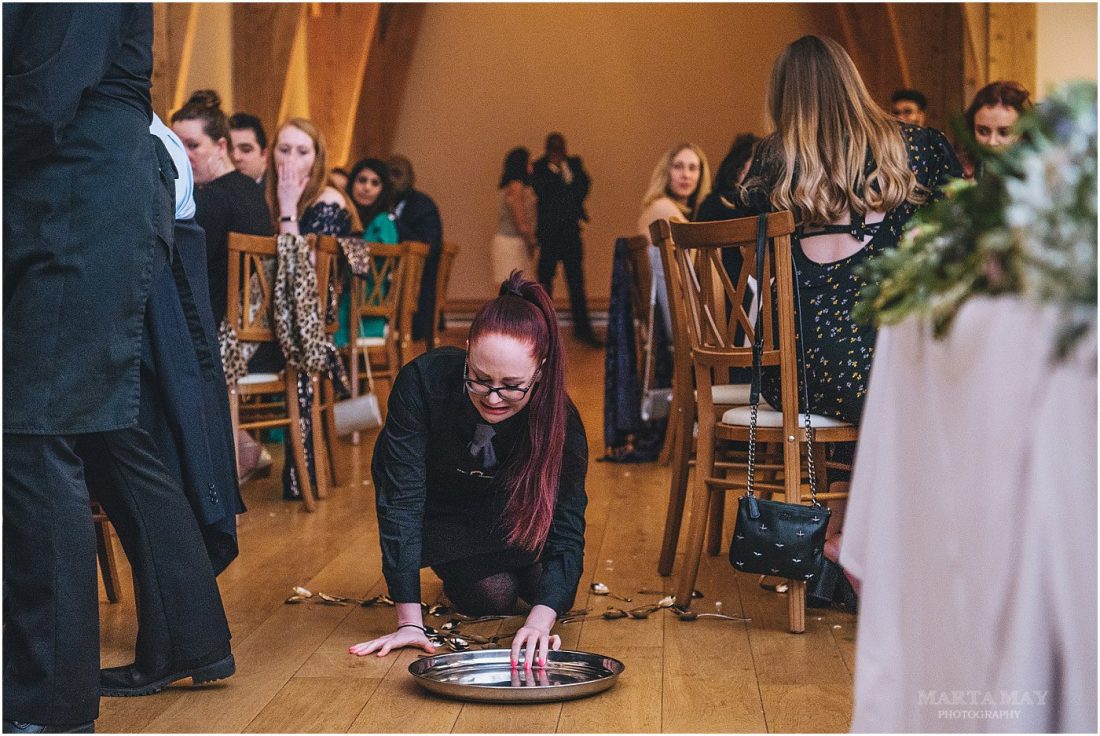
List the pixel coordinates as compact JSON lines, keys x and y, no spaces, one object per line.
{"x":838,"y":350}
{"x":323,"y":218}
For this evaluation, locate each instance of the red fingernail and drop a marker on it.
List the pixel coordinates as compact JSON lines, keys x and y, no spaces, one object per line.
{"x":513,"y":664}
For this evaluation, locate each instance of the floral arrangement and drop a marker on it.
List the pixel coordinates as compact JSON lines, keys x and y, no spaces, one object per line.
{"x":1027,"y":226}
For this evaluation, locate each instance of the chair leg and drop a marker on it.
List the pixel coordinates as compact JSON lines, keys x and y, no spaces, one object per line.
{"x":105,"y":551}
{"x":353,"y":355}
{"x":680,"y":423}
{"x":678,"y":407}
{"x":235,"y":421}
{"x":297,"y":441}
{"x":329,"y":410}
{"x":320,"y":447}
{"x":714,"y":521}
{"x":792,"y":483}
{"x":697,"y":526}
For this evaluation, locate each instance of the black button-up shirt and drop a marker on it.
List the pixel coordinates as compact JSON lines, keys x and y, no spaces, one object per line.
{"x":435,"y":502}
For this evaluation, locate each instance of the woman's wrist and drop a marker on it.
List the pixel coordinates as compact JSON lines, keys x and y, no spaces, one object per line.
{"x":542,"y":617}
{"x":409,"y":613}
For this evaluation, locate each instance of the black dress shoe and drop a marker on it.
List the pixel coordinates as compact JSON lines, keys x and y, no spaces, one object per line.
{"x":121,"y":682}
{"x":21,"y":727}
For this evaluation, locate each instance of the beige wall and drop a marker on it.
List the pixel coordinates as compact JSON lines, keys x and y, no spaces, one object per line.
{"x":1066,"y":41}
{"x":622,"y":82}
{"x":211,"y":64}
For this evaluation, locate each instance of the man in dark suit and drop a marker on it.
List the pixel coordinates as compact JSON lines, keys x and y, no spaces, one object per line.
{"x":418,"y":219}
{"x":85,"y":230}
{"x":561,"y":184}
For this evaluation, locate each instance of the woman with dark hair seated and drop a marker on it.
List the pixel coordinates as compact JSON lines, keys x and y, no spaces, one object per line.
{"x":479,"y":473}
{"x":372,"y":195}
{"x":992,"y":115}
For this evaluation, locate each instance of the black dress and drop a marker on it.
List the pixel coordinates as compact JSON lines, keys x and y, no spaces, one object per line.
{"x":438,"y":505}
{"x":838,"y":350}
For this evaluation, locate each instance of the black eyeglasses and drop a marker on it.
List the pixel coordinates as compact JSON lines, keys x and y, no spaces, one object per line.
{"x":509,"y":394}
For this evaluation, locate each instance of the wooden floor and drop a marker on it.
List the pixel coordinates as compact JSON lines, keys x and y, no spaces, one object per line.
{"x":294,"y":673}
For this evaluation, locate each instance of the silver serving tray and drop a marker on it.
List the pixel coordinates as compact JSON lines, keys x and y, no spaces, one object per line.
{"x":487,"y":676}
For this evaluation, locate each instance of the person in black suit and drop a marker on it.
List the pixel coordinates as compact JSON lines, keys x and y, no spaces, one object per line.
{"x":561,"y":184}
{"x":418,"y":219}
{"x":87,"y":224}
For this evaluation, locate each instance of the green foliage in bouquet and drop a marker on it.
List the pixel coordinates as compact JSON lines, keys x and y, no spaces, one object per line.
{"x":1028,"y":226}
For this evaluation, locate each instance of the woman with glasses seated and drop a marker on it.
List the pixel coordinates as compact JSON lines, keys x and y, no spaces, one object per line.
{"x":479,"y":474}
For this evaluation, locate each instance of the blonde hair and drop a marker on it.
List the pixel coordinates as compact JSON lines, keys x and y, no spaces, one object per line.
{"x":318,"y":174}
{"x":658,"y":182}
{"x":826,"y":123}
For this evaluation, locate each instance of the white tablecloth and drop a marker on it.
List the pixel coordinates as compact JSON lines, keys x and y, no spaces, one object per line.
{"x":972,"y":526}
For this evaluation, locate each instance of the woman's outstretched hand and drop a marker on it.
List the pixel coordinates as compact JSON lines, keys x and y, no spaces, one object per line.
{"x":410,"y":633}
{"x":535,"y":637}
{"x":383,"y":645}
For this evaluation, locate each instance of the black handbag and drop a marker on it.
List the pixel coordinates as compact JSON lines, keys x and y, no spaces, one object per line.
{"x":771,"y":537}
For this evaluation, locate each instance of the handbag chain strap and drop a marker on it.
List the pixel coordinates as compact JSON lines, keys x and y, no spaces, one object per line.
{"x":757,"y":369}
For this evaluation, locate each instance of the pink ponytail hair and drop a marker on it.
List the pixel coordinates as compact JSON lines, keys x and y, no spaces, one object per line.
{"x":523,"y":311}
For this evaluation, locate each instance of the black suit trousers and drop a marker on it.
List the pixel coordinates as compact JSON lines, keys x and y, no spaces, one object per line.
{"x":51,"y":634}
{"x":567,"y":248}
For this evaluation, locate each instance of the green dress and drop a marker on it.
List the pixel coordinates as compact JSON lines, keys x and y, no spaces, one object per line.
{"x":381,"y":229}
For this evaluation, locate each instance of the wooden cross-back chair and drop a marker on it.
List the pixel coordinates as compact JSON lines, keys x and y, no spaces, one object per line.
{"x":714,"y":309}
{"x":249,"y":281}
{"x":388,"y":291}
{"x":442,"y":283}
{"x":680,"y":433}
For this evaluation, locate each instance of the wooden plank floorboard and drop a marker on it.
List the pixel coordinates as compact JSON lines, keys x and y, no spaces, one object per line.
{"x":633,"y":705}
{"x":315,"y":705}
{"x":625,"y":565}
{"x":398,"y":705}
{"x":795,"y":669}
{"x":710,"y":682}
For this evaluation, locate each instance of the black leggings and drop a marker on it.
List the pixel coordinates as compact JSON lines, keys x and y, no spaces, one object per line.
{"x":477,"y":586}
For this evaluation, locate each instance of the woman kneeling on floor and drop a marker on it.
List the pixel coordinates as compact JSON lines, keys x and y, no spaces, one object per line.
{"x":479,"y":473}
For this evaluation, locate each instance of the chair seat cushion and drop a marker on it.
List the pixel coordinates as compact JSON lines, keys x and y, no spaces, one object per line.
{"x":259,"y":378}
{"x":771,"y":418}
{"x":735,"y":394}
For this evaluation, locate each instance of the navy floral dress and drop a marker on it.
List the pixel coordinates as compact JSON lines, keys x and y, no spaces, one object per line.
{"x":322,"y":218}
{"x":838,"y":350}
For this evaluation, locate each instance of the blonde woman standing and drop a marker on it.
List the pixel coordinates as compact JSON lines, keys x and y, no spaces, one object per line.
{"x":680,"y":182}
{"x":514,"y":245}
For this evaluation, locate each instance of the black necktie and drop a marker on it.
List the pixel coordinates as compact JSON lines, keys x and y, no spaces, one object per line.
{"x":481,"y":447}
